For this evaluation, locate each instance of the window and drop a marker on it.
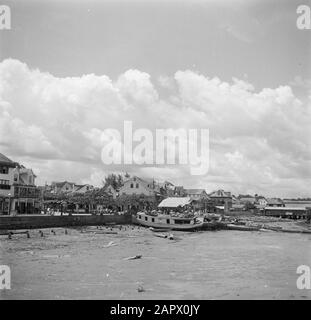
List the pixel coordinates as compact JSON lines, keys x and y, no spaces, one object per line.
{"x":146,"y":218}
{"x":5,"y":184}
{"x":168,"y":221}
{"x":132,"y":185}
{"x":139,"y":216}
{"x":15,"y":177}
{"x":152,"y":219}
{"x":4,"y":170}
{"x":137,"y":185}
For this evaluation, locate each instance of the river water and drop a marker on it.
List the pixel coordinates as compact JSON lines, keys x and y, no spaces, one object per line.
{"x":200,"y":265}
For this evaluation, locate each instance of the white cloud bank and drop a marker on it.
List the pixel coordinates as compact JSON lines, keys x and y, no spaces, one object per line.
{"x":260,"y":141}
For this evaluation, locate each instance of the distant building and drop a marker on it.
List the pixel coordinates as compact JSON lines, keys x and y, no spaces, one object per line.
{"x":62,"y":187}
{"x":137,"y":186}
{"x":196,"y":194}
{"x":286,"y":212}
{"x":179,"y":191}
{"x":221,"y":197}
{"x":275,"y":202}
{"x":166,"y":188}
{"x":83,"y":188}
{"x":18,"y":193}
{"x":248,"y":199}
{"x":261,"y":201}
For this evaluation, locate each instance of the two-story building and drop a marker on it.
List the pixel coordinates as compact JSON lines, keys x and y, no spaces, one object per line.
{"x":221,"y":198}
{"x":18,"y":193}
{"x":138,"y":186}
{"x":196,"y":194}
{"x":62,"y":187}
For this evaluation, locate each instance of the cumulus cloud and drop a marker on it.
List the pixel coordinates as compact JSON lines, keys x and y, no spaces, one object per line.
{"x":259,"y":141}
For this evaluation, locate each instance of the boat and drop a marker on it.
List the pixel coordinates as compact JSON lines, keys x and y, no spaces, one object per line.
{"x":168,"y":221}
{"x":157,"y":229}
{"x":232,"y":226}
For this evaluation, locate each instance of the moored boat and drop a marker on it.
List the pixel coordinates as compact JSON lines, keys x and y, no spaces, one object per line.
{"x":166,"y":221}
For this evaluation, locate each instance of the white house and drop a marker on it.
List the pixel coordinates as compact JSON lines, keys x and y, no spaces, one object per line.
{"x":136,"y":185}
{"x":18,"y":193}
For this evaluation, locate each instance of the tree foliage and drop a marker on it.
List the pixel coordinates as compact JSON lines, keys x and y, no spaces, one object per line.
{"x":115,"y":180}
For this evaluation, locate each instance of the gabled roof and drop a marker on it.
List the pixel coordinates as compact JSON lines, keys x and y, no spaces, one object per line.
{"x":248,"y":199}
{"x":194,"y":191}
{"x":220,"y":194}
{"x":5,"y":160}
{"x":61,"y":184}
{"x":275,"y":201}
{"x":174,"y":202}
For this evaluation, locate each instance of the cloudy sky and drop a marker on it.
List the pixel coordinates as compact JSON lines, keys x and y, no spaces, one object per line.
{"x":71,"y":69}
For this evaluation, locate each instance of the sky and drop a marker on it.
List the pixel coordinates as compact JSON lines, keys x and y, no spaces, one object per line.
{"x":71,"y":69}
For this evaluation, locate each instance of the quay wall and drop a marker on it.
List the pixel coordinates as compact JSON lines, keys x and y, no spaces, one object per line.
{"x":46,"y":221}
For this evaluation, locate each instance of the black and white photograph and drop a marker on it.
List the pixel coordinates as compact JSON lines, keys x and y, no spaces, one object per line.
{"x":155,"y":150}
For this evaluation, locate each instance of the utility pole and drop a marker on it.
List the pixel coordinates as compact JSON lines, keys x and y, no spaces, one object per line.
{"x":9,"y":207}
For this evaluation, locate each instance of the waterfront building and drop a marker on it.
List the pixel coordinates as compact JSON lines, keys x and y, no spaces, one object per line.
{"x":275,"y":202}
{"x":261,"y":201}
{"x":221,"y":198}
{"x":286,"y":212}
{"x":18,"y":193}
{"x":297,"y":203}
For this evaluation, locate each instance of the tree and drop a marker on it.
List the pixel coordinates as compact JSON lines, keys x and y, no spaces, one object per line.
{"x":115,"y":180}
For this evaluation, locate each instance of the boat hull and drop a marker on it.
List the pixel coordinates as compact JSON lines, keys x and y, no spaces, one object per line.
{"x":162,"y":226}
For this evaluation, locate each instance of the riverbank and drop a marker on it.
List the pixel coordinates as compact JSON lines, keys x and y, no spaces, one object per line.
{"x":86,"y":263}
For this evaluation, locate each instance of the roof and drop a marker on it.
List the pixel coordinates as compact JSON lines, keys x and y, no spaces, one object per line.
{"x":194,"y":191}
{"x":285,"y":208}
{"x":275,"y":201}
{"x":61,"y":184}
{"x":174,"y":202}
{"x":5,"y":160}
{"x":248,"y":199}
{"x":220,"y":194}
{"x":146,"y":180}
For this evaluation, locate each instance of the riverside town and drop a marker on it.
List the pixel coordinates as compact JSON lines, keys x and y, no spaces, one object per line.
{"x":129,"y":225}
{"x":141,"y":201}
